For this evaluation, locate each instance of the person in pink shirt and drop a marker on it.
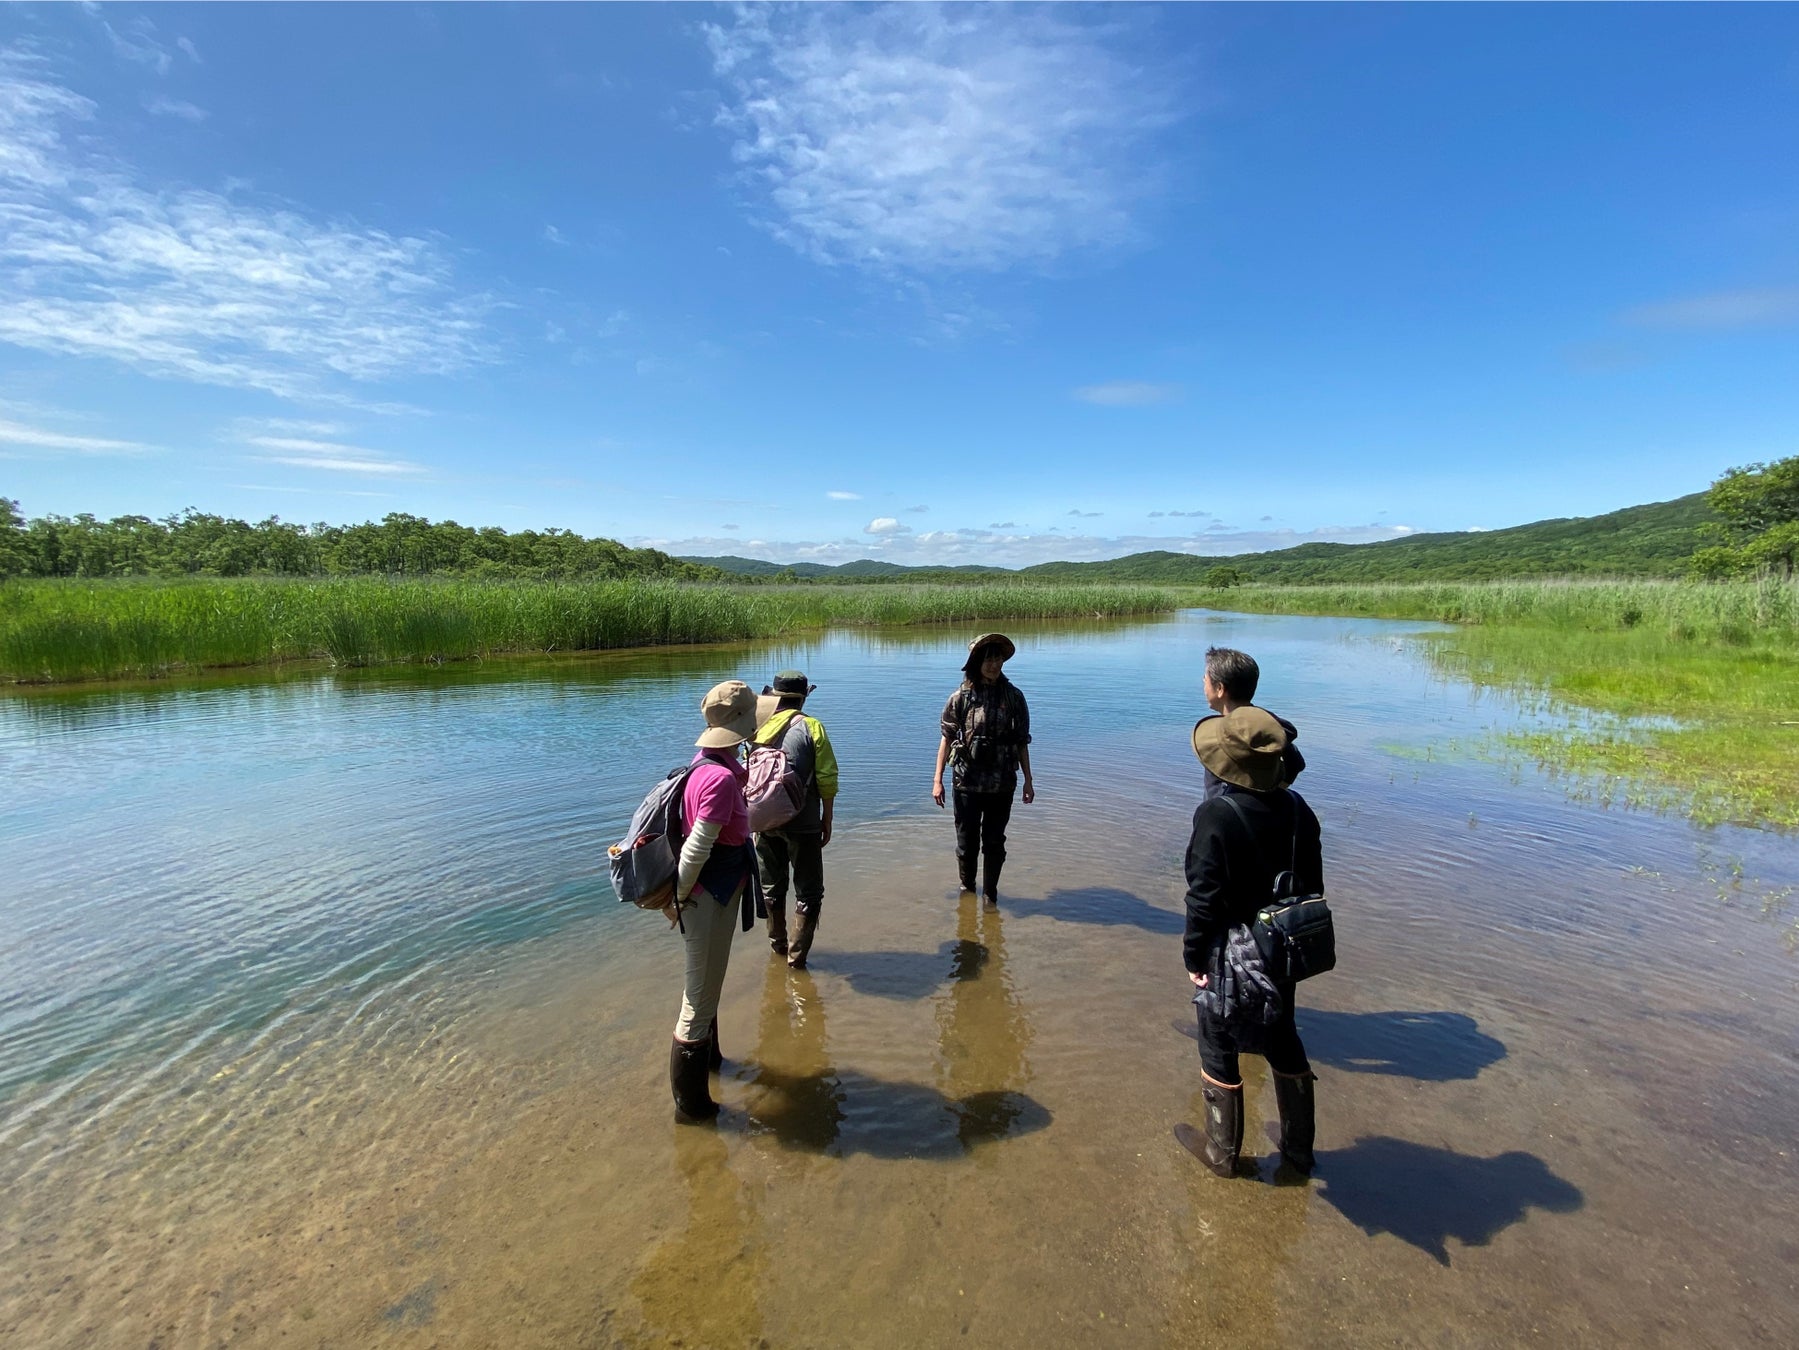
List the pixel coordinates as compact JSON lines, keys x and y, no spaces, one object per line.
{"x":716,"y":880}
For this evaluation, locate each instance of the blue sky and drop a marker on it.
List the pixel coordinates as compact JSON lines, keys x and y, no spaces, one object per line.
{"x":963,"y":284}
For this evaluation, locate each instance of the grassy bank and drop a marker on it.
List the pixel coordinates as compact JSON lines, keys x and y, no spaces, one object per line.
{"x":67,"y":630}
{"x":1715,"y":666}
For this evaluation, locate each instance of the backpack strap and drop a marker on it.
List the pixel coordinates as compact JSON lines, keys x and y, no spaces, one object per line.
{"x":1230,"y":798}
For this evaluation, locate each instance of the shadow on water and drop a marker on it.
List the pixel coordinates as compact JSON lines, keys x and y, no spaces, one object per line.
{"x":1425,"y":1196}
{"x":1103,"y":905}
{"x":1432,"y":1047}
{"x":903,"y":975}
{"x":804,"y":1102}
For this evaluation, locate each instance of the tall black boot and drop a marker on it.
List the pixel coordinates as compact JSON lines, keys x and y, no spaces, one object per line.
{"x":715,"y":1058}
{"x":990,"y":867}
{"x":806,"y":924}
{"x":687,"y":1078}
{"x":1293,"y":1094}
{"x":965,"y":872}
{"x":1219,"y":1146}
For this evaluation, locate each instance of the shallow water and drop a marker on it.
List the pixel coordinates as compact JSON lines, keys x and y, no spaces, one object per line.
{"x":319,"y":1026}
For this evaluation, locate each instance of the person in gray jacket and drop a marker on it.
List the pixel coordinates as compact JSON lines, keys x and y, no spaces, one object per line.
{"x":796,"y":849}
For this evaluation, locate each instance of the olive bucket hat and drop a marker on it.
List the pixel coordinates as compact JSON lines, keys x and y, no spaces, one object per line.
{"x":1244,"y":747}
{"x":730,"y":712}
{"x":1001,"y":644}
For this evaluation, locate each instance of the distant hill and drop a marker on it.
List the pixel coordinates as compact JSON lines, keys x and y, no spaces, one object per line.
{"x":1646,"y":541}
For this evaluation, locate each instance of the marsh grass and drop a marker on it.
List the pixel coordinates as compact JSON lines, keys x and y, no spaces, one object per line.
{"x":1738,"y":613}
{"x":81,"y":630}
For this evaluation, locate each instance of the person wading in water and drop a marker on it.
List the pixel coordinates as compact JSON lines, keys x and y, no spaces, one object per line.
{"x":986,"y":736}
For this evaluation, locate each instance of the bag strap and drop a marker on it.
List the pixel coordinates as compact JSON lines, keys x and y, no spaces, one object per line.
{"x":1236,"y":806}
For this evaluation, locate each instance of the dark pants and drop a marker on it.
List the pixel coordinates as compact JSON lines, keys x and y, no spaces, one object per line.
{"x":802,"y":855}
{"x":1218,"y":1048}
{"x":981,"y":819}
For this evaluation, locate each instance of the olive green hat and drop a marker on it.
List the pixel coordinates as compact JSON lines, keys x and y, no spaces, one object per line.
{"x":1244,"y":747}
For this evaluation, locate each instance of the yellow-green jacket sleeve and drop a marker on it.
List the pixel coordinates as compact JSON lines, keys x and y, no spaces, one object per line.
{"x":824,"y":767}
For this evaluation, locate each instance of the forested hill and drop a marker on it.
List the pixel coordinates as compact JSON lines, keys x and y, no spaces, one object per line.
{"x":1654,"y":540}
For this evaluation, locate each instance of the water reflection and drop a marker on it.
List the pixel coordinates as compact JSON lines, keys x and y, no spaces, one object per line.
{"x":1243,"y":1235}
{"x":795,"y":1093}
{"x":982,"y":1031}
{"x":699,"y":1286}
{"x":1425,"y":1195}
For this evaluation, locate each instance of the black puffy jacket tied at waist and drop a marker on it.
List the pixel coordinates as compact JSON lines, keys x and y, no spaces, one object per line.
{"x":1231,"y":867}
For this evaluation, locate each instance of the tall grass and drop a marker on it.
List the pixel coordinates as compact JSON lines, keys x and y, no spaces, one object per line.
{"x":67,"y":630}
{"x":1733,"y":612}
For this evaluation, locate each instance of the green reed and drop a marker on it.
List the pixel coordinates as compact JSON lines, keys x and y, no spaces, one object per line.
{"x":76,"y":630}
{"x":1733,"y":612}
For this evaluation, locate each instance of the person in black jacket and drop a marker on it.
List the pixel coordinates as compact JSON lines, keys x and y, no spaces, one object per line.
{"x":1230,"y":682}
{"x":1242,"y":838}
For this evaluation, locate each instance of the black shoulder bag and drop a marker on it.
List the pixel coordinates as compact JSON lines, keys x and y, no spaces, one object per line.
{"x":1294,"y":933}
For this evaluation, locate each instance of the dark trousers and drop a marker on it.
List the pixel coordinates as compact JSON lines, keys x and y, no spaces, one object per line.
{"x":802,"y":856}
{"x":981,"y":819}
{"x":1218,"y":1048}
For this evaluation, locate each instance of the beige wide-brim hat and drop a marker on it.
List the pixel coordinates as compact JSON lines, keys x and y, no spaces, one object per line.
{"x":730,"y":712}
{"x":1244,"y":747}
{"x":999,"y":641}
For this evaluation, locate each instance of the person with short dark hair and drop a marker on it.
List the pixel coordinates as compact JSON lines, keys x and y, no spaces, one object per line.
{"x":1230,"y":682}
{"x":1243,"y":836}
{"x":798,"y":846}
{"x":986,"y":737}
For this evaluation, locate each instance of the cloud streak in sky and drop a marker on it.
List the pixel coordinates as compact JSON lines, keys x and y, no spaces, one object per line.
{"x":920,"y":138}
{"x":999,"y":547}
{"x":1128,"y":394}
{"x":1721,"y":310}
{"x":17,"y":433}
{"x":215,"y":288}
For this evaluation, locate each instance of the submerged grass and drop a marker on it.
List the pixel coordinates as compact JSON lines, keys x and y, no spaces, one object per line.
{"x":81,"y":630}
{"x":1696,"y":683}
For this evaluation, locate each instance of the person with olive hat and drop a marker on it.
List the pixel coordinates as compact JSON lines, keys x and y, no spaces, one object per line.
{"x":718,"y":870}
{"x":1242,"y":838}
{"x":798,"y":846}
{"x":986,"y":737}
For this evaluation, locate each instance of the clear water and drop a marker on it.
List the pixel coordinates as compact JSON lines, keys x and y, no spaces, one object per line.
{"x":319,"y":1025}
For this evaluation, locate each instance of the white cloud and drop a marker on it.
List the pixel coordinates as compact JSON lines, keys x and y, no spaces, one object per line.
{"x":998,"y":546}
{"x":174,"y":107}
{"x":844,"y":496}
{"x":923,"y":138}
{"x":16,"y":433}
{"x":554,"y":235}
{"x":331,"y":456}
{"x":215,"y":288}
{"x":1722,"y":309}
{"x":1128,"y":394}
{"x":885,"y":525}
{"x":918,"y":510}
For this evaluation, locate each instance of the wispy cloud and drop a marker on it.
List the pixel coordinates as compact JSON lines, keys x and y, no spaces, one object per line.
{"x":844,"y":496}
{"x":1128,"y":393}
{"x":914,"y":137}
{"x":297,"y":452}
{"x":999,"y":546}
{"x":17,"y":433}
{"x":1721,"y":309}
{"x":1155,"y":514}
{"x":215,"y":288}
{"x":161,"y":106}
{"x":553,"y":235}
{"x":1086,"y":515}
{"x":918,"y":510}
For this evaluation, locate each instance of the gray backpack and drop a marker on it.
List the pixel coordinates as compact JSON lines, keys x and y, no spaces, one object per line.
{"x":647,"y":861}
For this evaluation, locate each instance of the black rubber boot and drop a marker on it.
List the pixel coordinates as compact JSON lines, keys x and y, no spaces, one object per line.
{"x":1294,"y":1095}
{"x":1219,"y":1146}
{"x":806,"y":922}
{"x":965,"y":873}
{"x":687,"y":1078}
{"x":777,"y":925}
{"x":715,"y":1058}
{"x":990,"y":868}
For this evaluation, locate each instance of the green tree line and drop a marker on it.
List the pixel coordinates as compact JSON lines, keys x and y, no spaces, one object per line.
{"x":195,"y":543}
